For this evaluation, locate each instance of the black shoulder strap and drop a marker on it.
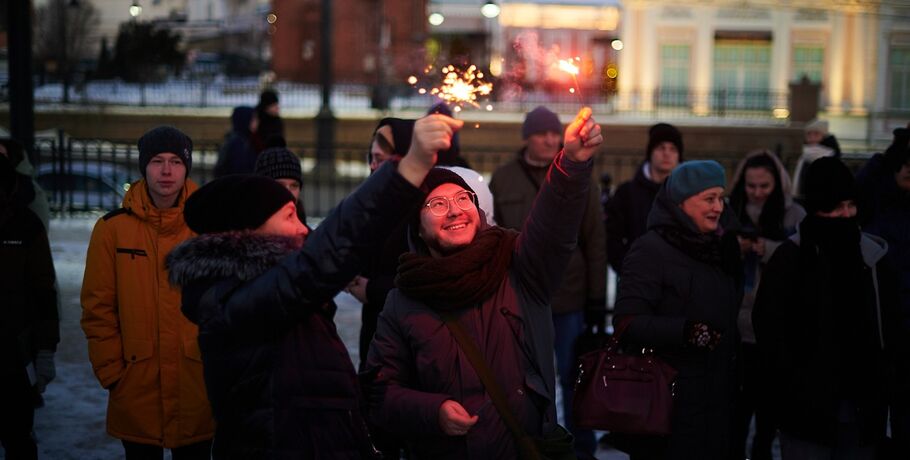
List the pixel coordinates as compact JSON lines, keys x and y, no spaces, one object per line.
{"x":489,"y":382}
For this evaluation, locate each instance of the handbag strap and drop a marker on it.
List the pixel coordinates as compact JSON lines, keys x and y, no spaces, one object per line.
{"x":486,"y":377}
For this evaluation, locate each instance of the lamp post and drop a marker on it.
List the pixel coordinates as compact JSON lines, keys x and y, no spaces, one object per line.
{"x":21,"y":89}
{"x":490,"y":10}
{"x":325,"y":119}
{"x":64,"y":65}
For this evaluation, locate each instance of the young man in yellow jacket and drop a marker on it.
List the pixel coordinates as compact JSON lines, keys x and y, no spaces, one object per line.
{"x":142,"y":349}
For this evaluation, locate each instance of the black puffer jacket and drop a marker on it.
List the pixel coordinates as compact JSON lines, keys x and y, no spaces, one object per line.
{"x":661,"y":288}
{"x":627,"y":216}
{"x":280,"y":381}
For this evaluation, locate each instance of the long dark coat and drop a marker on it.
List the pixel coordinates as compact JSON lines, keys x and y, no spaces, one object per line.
{"x":627,"y":216}
{"x":418,"y":365}
{"x":661,"y":288}
{"x":796,"y":333}
{"x":279,"y":378}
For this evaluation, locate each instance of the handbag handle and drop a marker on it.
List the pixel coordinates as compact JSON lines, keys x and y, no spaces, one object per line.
{"x":492,"y":386}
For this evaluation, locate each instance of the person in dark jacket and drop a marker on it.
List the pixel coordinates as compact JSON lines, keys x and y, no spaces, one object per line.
{"x":760,"y":197}
{"x":818,"y":320}
{"x":29,"y":322}
{"x":282,"y":165}
{"x":628,"y":208}
{"x":580,"y":300}
{"x":279,"y":378}
{"x":268,"y":112}
{"x":679,"y":293}
{"x":884,"y":191}
{"x":237,"y":155}
{"x":497,"y":284}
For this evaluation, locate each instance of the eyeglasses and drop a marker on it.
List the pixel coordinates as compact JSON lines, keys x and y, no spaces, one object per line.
{"x":439,"y":206}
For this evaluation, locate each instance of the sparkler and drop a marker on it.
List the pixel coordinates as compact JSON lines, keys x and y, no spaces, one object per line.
{"x":569,"y":66}
{"x":458,"y":87}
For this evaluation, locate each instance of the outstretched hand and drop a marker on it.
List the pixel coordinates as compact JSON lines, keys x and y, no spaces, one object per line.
{"x":582,"y":136}
{"x":432,"y":133}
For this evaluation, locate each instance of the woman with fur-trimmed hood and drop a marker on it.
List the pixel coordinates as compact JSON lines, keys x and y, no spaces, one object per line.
{"x":278,"y":376}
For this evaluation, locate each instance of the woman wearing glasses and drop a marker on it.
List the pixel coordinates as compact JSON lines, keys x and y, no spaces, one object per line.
{"x":496,"y":284}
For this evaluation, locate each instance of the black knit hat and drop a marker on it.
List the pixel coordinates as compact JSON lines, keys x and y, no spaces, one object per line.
{"x":828,"y":182}
{"x":234,"y":202}
{"x":266,"y":98}
{"x":664,"y":132}
{"x":540,"y":120}
{"x":165,"y":139}
{"x":439,"y":176}
{"x":279,"y":163}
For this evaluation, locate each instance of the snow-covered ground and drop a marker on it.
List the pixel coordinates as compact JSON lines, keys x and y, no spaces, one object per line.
{"x":71,"y":425}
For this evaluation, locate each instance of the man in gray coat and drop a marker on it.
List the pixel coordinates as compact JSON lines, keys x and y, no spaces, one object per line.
{"x":497,"y":285}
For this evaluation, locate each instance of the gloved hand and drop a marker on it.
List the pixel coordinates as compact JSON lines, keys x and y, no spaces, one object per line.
{"x":596,"y":314}
{"x":700,"y":335}
{"x":45,"y":368}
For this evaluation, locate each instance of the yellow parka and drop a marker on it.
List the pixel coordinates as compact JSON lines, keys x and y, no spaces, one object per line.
{"x":141,"y":346}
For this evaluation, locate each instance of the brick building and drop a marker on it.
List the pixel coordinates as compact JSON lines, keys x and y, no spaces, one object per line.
{"x":372,"y":39}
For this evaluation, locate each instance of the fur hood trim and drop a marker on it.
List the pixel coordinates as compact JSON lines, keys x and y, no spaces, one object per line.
{"x":243,"y":254}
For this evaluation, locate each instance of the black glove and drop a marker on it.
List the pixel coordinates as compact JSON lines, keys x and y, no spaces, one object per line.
{"x":596,"y":314}
{"x":700,"y":335}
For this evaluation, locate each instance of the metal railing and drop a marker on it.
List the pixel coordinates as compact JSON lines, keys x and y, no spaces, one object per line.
{"x":84,"y":174}
{"x":756,"y":104}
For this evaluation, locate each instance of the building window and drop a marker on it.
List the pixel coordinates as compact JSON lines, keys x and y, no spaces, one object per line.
{"x":899,"y":76}
{"x":674,"y":75}
{"x":742,"y":74}
{"x":808,"y":61}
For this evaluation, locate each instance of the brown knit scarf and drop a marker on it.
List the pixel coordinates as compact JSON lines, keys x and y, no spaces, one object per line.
{"x":462,"y":279}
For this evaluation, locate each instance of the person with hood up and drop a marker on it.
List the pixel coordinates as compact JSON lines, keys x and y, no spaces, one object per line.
{"x":760,"y":198}
{"x":627,"y":210}
{"x":28,"y":192}
{"x":679,"y":293}
{"x":884,"y":196}
{"x":142,"y":350}
{"x":237,"y":155}
{"x":29,"y":321}
{"x":496,"y":283}
{"x":280,"y":380}
{"x":824,"y":298}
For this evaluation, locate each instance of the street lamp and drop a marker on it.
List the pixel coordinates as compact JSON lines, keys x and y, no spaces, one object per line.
{"x":135,"y":9}
{"x":490,"y":10}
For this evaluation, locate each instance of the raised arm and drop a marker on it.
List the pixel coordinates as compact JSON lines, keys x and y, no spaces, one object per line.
{"x":337,"y":250}
{"x":550,"y":232}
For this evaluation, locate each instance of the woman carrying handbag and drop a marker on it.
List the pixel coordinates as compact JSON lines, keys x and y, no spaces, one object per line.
{"x":679,"y":294}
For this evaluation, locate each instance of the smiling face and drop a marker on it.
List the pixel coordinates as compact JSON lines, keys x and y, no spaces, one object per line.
{"x":759,"y":185}
{"x":705,"y":208}
{"x":451,"y":231}
{"x":165,"y":176}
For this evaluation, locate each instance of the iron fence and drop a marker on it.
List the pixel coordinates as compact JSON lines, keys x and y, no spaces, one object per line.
{"x":738,"y":103}
{"x":93,"y":174}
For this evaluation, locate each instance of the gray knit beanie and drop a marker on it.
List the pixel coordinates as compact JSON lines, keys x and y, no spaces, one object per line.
{"x":165,"y":139}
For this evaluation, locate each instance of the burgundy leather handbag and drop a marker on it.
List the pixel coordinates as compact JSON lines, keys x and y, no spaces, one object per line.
{"x":623,"y":392}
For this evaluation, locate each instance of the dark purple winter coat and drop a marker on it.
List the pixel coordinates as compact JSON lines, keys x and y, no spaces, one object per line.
{"x":279,"y":378}
{"x":418,"y":365}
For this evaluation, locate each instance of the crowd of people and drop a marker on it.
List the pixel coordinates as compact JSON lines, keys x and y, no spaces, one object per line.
{"x":208,"y":311}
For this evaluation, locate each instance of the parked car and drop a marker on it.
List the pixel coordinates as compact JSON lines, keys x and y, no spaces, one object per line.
{"x":79,"y":186}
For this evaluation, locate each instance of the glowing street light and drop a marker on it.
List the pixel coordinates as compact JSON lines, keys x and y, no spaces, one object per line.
{"x":135,"y":9}
{"x":490,"y":10}
{"x":617,"y":44}
{"x":436,"y":19}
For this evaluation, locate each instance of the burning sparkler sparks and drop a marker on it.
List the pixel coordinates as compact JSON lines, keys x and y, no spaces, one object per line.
{"x":458,"y":87}
{"x":570,"y":66}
